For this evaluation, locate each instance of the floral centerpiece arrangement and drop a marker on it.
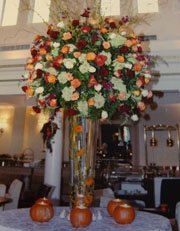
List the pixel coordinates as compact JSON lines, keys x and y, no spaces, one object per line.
{"x":93,"y":66}
{"x":90,"y":66}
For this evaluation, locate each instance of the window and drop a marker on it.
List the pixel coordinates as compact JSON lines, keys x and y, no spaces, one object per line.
{"x":148,"y":6}
{"x":110,"y":7}
{"x":41,"y":11}
{"x":9,"y":12}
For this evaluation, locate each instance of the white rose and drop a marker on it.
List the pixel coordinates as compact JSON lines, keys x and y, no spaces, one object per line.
{"x":104,"y":115}
{"x":134,"y":117}
{"x":61,"y":24}
{"x":145,"y":93}
{"x":69,"y":63}
{"x":38,"y":66}
{"x":39,"y":90}
{"x":92,"y":69}
{"x":128,"y":65}
{"x":56,"y":45}
{"x":98,"y":87}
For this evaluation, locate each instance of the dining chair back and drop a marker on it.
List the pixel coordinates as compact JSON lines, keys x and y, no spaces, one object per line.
{"x":14,"y":193}
{"x":2,"y":190}
{"x":2,"y":193}
{"x":177,"y":214}
{"x":170,"y":195}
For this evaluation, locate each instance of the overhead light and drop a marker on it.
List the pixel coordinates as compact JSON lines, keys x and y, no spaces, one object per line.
{"x":169,"y":140}
{"x":153,"y":140}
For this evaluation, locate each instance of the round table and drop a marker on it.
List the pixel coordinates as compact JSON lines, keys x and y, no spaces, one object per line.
{"x":19,"y":220}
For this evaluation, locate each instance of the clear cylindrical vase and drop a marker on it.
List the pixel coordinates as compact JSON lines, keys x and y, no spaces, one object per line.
{"x":82,"y":150}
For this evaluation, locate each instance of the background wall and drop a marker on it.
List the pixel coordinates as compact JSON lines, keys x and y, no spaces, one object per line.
{"x":22,"y":129}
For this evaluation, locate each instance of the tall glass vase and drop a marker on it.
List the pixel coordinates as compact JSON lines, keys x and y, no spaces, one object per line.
{"x":83,"y":142}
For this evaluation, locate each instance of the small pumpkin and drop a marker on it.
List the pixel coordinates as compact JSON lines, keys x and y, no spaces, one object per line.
{"x":124,"y":214}
{"x":80,"y":216}
{"x":112,"y":204}
{"x":42,"y":210}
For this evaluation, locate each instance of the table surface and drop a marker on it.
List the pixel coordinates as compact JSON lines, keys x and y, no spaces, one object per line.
{"x":20,"y":220}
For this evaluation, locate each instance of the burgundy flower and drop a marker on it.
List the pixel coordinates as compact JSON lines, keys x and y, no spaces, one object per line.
{"x":86,"y":13}
{"x":39,"y":73}
{"x":107,"y":85}
{"x":53,"y":33}
{"x":36,"y":109}
{"x":124,"y":50}
{"x":113,"y":25}
{"x":24,"y":88}
{"x":94,"y":37}
{"x":70,"y":112}
{"x":81,"y":44}
{"x":33,"y":52}
{"x":140,"y":49}
{"x":103,"y":72}
{"x":75,"y":22}
{"x":130,"y":73}
{"x":123,"y":108}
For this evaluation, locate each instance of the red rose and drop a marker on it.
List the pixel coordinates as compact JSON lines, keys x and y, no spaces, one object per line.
{"x":113,"y":25}
{"x":100,"y":60}
{"x":123,"y":49}
{"x":85,"y":29}
{"x":57,"y":62}
{"x":24,"y":88}
{"x":75,"y":22}
{"x":86,"y":13}
{"x":81,"y":44}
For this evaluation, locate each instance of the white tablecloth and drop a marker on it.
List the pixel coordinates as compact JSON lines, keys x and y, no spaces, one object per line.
{"x":19,"y":220}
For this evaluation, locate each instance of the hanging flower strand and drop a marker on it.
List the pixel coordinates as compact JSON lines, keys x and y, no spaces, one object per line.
{"x":95,"y":67}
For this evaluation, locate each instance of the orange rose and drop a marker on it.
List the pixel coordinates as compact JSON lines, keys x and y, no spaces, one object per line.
{"x":78,"y":128}
{"x":67,"y":36}
{"x":53,"y":103}
{"x":49,"y":57}
{"x":75,"y":96}
{"x":65,"y":49}
{"x":128,"y":43}
{"x":89,"y":181}
{"x":103,"y":30}
{"x":77,"y":54}
{"x":106,"y":45}
{"x":75,"y":83}
{"x":51,"y":78}
{"x":91,"y":102}
{"x":42,"y":51}
{"x":120,"y":59}
{"x":90,"y":56}
{"x":29,"y":66}
{"x":80,"y":152}
{"x":137,"y":67}
{"x":29,"y":92}
{"x":136,"y":92}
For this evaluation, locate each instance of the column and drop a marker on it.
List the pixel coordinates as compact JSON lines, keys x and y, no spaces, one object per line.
{"x":53,"y":160}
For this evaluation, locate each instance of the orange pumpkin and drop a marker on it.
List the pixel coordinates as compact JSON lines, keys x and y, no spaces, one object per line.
{"x":112,"y":204}
{"x":42,"y":210}
{"x":80,"y":216}
{"x":124,"y":214}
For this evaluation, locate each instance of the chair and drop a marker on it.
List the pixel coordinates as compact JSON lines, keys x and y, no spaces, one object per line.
{"x":14,"y":193}
{"x":177,"y":215}
{"x":170,"y":195}
{"x":103,"y":196}
{"x":45,"y":190}
{"x":2,"y":192}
